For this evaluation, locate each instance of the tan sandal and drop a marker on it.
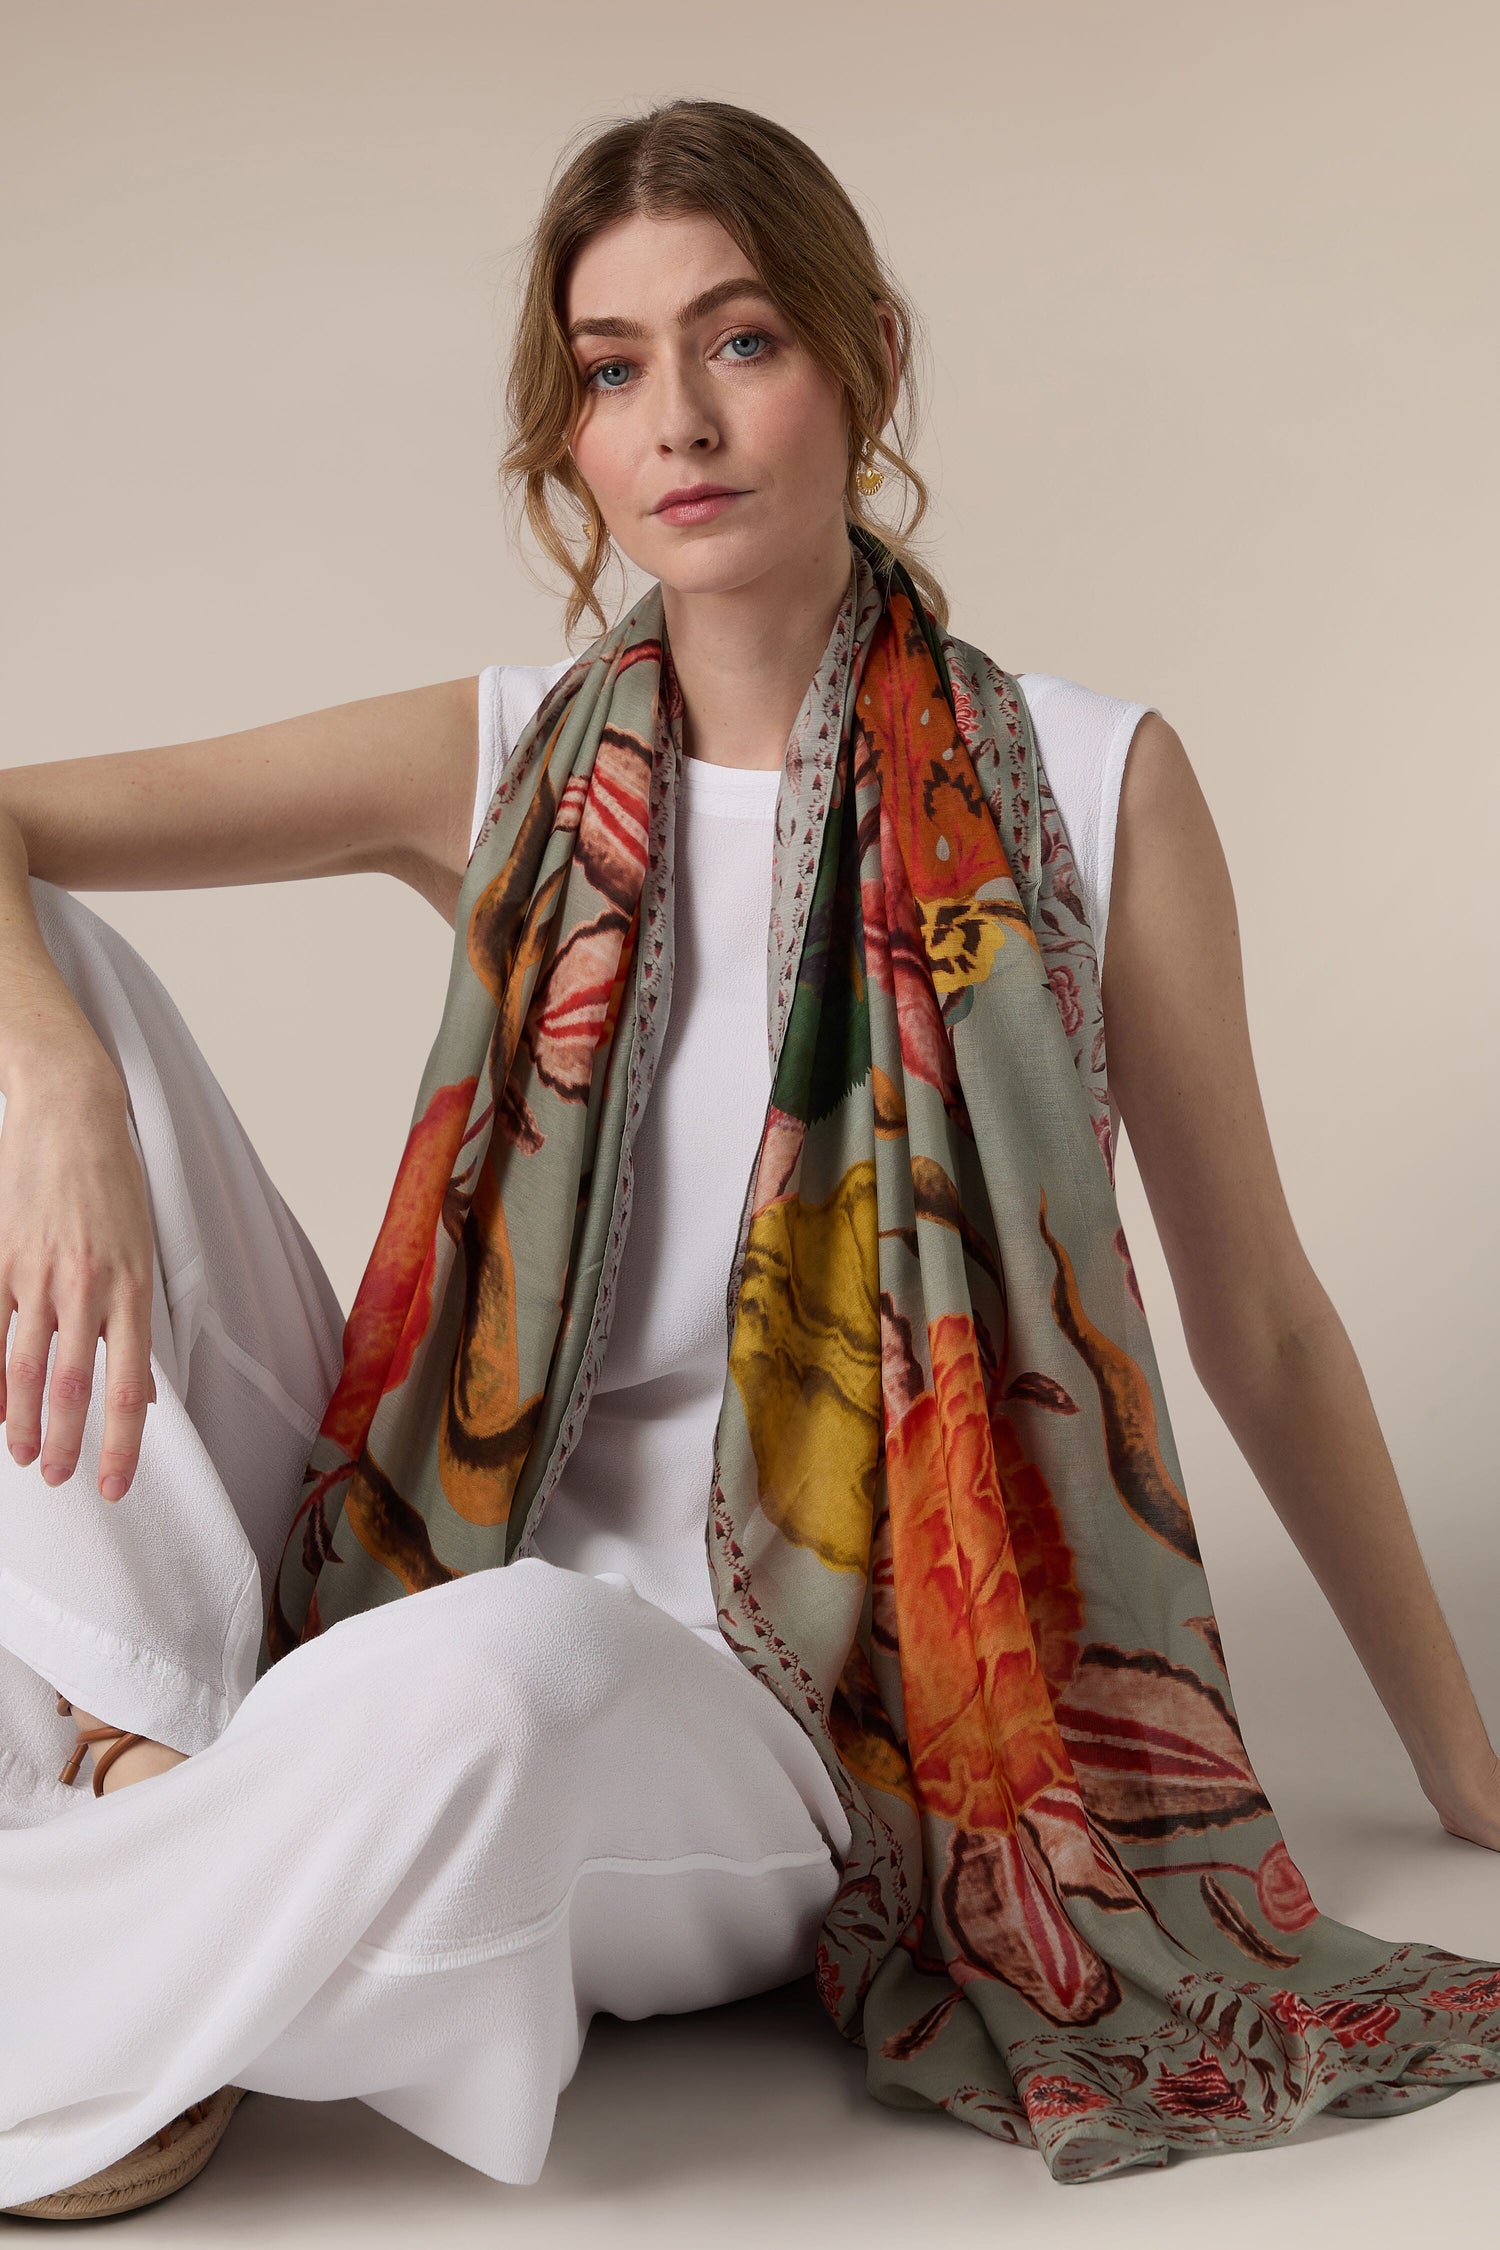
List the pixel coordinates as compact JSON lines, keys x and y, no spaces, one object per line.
{"x":118,"y":1741}
{"x":172,"y":2157}
{"x":175,"y":2153}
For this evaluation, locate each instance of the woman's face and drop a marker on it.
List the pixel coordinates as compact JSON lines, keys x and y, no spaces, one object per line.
{"x":692,"y":376}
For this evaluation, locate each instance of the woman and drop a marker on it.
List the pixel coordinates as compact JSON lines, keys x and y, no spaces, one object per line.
{"x":389,"y":1828}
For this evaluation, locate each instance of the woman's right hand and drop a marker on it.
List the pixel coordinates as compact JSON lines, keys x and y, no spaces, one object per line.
{"x":77,"y":1257}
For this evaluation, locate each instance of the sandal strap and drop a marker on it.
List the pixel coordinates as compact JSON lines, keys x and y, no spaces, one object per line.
{"x":103,"y":1760}
{"x":118,"y":1740}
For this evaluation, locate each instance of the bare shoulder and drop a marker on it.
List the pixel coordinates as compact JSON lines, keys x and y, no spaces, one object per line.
{"x":1170,"y":877}
{"x":1180,"y":1061}
{"x":1172,"y":959}
{"x":1158,"y":772}
{"x":1171,"y":903}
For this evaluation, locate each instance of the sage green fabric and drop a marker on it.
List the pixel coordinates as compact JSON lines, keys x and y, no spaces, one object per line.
{"x":945,"y":1517}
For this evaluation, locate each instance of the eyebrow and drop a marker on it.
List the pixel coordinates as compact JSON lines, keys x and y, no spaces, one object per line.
{"x":697,"y":308}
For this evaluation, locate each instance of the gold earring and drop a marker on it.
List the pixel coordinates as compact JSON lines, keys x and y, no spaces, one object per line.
{"x":867,"y":478}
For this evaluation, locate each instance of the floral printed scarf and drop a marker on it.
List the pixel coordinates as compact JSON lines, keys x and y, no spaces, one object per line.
{"x":945,"y":1517}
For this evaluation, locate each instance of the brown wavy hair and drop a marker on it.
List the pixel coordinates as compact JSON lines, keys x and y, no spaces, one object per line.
{"x":809,"y":246}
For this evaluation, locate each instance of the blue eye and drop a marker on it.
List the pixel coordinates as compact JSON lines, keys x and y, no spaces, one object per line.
{"x":602,"y":369}
{"x":762,"y":343}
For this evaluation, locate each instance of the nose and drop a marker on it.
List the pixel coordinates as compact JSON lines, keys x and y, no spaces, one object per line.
{"x":687,"y":423}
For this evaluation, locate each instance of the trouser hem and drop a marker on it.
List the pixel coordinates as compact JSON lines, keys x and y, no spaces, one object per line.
{"x":127,"y":1683}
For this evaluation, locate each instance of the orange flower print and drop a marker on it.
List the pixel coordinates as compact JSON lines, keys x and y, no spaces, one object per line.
{"x":979,"y":1717}
{"x":393,"y":1303}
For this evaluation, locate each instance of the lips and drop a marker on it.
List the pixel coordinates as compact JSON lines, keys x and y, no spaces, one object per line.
{"x":691,"y":492}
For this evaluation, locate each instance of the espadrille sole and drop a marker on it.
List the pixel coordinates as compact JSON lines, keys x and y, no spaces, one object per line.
{"x":147,"y":2173}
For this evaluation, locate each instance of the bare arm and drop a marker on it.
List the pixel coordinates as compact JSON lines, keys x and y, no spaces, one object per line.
{"x":384,"y":785}
{"x":1264,"y":1336}
{"x":38,"y":1013}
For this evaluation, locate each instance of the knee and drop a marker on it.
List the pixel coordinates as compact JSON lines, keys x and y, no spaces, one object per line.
{"x":526,"y":1654}
{"x":536,"y":1644}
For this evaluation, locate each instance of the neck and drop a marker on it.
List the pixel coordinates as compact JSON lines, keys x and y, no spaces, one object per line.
{"x":744,"y":659}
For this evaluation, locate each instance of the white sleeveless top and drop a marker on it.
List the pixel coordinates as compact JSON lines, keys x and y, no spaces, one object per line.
{"x":632,"y":1500}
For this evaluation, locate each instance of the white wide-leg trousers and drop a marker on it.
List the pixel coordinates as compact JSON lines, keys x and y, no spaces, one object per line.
{"x":412,"y":1861}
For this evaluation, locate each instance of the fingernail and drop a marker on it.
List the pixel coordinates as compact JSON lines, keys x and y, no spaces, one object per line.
{"x":113,"y":1488}
{"x":21,"y":1451}
{"x":54,"y":1473}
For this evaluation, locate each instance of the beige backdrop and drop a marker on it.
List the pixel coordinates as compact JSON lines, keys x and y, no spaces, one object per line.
{"x":1211,"y":293}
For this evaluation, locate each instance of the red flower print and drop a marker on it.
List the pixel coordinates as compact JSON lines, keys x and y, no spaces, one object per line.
{"x":1057,"y":2096}
{"x":1002,"y":1904}
{"x":1292,"y":2012}
{"x":1157,"y":1751}
{"x":964,"y":707}
{"x":573,"y":1008}
{"x":1351,"y":2021}
{"x":1202,"y":2090}
{"x":1284,"y":1897}
{"x":614,"y":823}
{"x":1065,"y":992}
{"x":1482,"y":1994}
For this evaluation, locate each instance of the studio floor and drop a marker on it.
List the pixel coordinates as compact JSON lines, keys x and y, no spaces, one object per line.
{"x":750,"y":2123}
